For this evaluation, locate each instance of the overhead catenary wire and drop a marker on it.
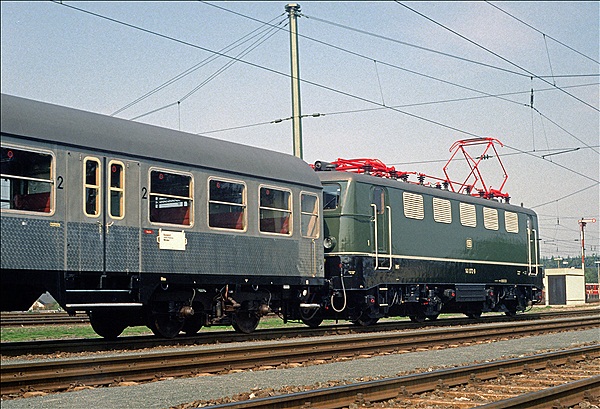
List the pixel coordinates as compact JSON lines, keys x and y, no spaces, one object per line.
{"x":264,"y":37}
{"x":201,"y":64}
{"x":494,"y":54}
{"x":541,"y":32}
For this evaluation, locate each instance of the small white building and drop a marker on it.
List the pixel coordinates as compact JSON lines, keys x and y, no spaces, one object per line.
{"x":564,"y":286}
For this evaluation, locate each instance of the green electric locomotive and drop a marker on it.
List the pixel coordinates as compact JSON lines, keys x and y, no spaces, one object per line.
{"x":394,"y":248}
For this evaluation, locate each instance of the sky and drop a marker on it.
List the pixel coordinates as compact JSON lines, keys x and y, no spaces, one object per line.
{"x":396,"y":81}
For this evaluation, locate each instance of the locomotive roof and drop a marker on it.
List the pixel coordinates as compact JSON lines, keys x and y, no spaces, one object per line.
{"x":115,"y":136}
{"x":339,"y":176}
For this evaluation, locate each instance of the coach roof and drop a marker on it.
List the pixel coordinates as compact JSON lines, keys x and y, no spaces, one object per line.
{"x":118,"y":137}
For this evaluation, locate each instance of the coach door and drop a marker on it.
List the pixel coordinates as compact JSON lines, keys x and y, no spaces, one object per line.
{"x":104,"y":235}
{"x":382,"y":228}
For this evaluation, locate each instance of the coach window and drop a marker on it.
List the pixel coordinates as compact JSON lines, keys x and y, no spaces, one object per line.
{"x":275,"y":210}
{"x":91,"y":187}
{"x":309,"y":205}
{"x":331,"y":196}
{"x":27,"y":181}
{"x":226,"y":204}
{"x":490,"y":218}
{"x":171,"y":198}
{"x":116,"y":203}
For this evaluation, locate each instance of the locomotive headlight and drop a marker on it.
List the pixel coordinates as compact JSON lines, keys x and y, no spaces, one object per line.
{"x":329,"y":242}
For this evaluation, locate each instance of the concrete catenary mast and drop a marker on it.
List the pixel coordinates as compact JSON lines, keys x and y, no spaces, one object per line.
{"x":294,"y":10}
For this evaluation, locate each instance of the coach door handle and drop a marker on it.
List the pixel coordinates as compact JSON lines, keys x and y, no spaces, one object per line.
{"x":99,"y":227}
{"x":108,"y":225}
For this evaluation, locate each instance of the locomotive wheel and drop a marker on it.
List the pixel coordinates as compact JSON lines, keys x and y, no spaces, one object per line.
{"x":312,"y":318}
{"x":105,"y":325}
{"x":417,"y":318}
{"x":244,"y":321}
{"x":365,"y":320}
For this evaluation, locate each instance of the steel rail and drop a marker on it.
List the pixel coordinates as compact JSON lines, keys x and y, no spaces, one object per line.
{"x":568,"y":395}
{"x":58,"y":374}
{"x":381,"y":390}
{"x":226,"y":336}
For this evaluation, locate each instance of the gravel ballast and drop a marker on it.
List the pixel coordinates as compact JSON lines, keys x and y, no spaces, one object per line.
{"x":171,"y":392}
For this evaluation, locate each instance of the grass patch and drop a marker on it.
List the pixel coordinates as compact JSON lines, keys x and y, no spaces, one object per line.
{"x":43,"y":332}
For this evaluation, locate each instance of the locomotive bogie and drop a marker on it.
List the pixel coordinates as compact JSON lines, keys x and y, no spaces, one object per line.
{"x":139,"y":224}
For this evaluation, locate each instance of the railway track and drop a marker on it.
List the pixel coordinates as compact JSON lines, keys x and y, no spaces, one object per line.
{"x":19,"y":319}
{"x":60,"y":374}
{"x":211,"y":337}
{"x":535,"y":382}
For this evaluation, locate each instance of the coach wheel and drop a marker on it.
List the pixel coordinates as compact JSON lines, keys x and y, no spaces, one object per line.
{"x":473,"y":315}
{"x":245,"y":321}
{"x":511,"y":313}
{"x":311,"y":317}
{"x":417,"y":318}
{"x":432,"y":317}
{"x":105,"y":325}
{"x":164,"y":319}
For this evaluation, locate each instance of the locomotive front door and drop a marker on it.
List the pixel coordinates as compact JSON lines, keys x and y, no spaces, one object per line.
{"x":104,"y":227}
{"x":382,"y":228}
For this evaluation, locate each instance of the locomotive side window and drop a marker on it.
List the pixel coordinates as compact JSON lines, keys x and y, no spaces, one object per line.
{"x":170,"y":198}
{"x":226,"y":204}
{"x":442,"y":211}
{"x":413,"y":206}
{"x":511,"y":222}
{"x":27,"y":180}
{"x":275,"y":210}
{"x":309,"y":205}
{"x":490,"y":218}
{"x":116,"y":202}
{"x":379,"y":199}
{"x":91,"y":187}
{"x":468,"y":217}
{"x":331,"y":196}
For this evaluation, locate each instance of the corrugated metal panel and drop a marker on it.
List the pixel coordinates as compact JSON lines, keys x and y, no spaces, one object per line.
{"x":442,"y":210}
{"x":511,"y":222}
{"x":468,"y":217}
{"x":490,"y":218}
{"x":413,"y":206}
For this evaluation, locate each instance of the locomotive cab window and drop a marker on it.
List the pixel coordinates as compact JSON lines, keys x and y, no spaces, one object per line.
{"x":275,"y":211}
{"x":116,"y":202}
{"x":309,"y":204}
{"x":91,"y":187}
{"x":379,"y":200}
{"x":27,"y":180}
{"x":171,"y":198}
{"x":226,"y":204}
{"x":331,"y":196}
